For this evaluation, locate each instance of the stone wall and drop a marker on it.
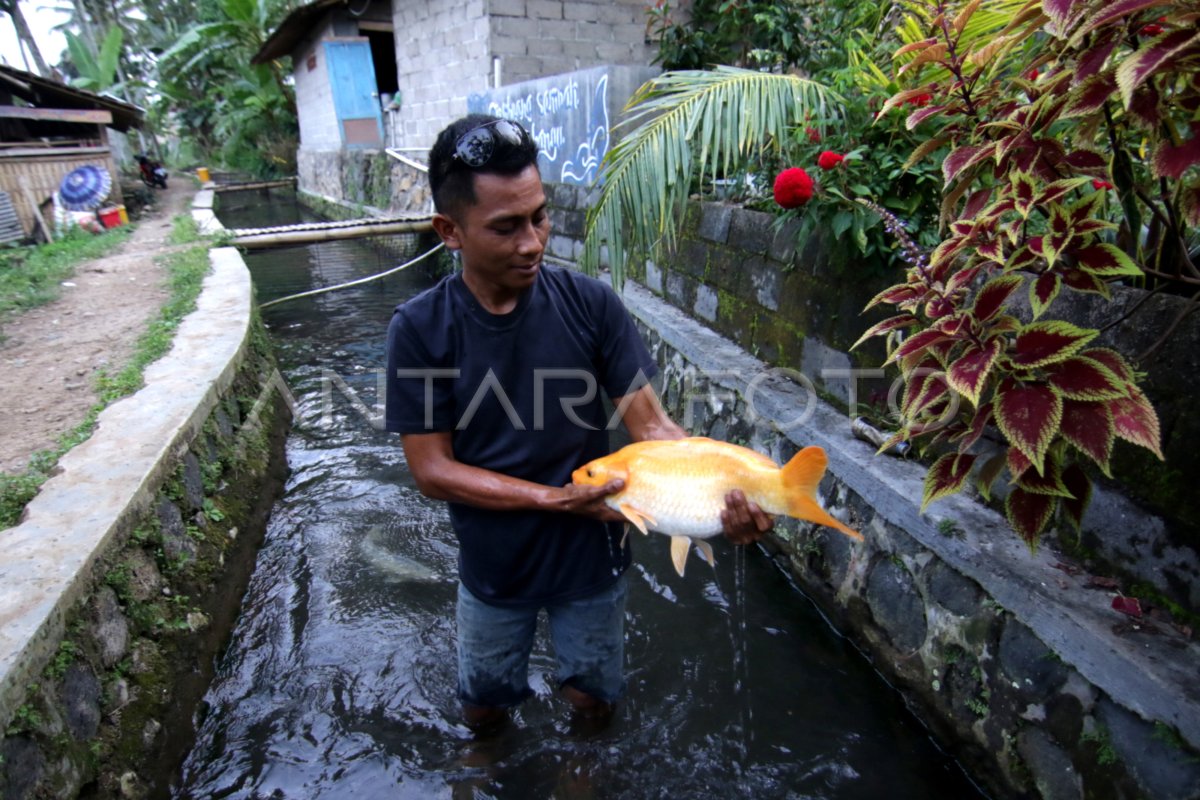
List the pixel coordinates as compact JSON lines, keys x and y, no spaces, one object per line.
{"x":798,"y":306}
{"x":127,"y":569}
{"x":1015,"y":660}
{"x":367,"y":178}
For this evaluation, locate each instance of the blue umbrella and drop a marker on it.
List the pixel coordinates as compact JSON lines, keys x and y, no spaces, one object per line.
{"x":84,"y":188}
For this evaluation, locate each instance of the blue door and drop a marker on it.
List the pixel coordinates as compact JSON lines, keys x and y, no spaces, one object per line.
{"x":355,"y":96}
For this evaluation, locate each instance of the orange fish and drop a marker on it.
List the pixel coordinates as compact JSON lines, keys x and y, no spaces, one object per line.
{"x":678,"y":487}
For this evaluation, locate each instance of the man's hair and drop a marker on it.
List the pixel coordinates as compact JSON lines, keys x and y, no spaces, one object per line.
{"x":453,"y":182}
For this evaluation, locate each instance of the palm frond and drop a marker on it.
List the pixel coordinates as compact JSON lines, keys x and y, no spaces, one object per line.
{"x":683,"y":124}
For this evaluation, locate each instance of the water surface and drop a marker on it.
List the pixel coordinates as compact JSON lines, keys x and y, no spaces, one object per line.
{"x":340,"y":677}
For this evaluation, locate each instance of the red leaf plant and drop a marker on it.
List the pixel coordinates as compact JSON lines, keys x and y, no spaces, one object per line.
{"x":1062,"y":101}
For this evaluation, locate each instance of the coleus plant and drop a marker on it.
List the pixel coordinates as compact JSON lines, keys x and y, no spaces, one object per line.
{"x":1059,"y":101}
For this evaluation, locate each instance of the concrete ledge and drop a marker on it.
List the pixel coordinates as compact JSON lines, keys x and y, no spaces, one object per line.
{"x":202,"y":213}
{"x":1144,"y":673}
{"x":104,"y":482}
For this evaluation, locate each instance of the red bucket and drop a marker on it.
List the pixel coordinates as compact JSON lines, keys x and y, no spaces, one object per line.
{"x":110,"y":217}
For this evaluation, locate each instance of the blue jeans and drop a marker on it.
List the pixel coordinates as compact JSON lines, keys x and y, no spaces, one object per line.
{"x":494,"y":643}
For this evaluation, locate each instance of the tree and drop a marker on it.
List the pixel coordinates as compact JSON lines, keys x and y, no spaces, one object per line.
{"x":24,"y":35}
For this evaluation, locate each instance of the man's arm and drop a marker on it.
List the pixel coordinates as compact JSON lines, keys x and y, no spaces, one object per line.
{"x":645,"y":418}
{"x":439,"y":475}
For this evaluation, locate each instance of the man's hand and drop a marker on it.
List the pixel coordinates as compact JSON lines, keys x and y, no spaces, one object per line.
{"x":744,"y":522}
{"x":589,"y":500}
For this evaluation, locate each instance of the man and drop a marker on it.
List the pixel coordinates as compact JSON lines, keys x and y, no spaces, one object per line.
{"x":493,"y":379}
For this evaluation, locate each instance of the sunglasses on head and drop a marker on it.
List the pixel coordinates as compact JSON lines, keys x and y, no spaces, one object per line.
{"x":475,"y":147}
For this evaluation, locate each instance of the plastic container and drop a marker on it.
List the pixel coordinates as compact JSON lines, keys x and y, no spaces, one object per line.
{"x":202,"y":174}
{"x":110,"y":217}
{"x":123,"y":214}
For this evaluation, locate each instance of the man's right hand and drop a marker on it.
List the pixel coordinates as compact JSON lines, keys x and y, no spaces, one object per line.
{"x":588,"y":501}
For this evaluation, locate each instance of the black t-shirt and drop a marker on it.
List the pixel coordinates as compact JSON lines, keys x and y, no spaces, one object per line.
{"x":520,"y":394}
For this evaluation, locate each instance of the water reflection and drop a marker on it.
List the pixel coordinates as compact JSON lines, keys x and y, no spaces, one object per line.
{"x":340,"y":677}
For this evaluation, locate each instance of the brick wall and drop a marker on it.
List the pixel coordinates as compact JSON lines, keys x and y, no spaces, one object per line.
{"x":444,"y":50}
{"x":442,"y":55}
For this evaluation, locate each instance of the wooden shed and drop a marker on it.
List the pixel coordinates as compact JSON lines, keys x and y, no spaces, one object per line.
{"x":48,"y":129}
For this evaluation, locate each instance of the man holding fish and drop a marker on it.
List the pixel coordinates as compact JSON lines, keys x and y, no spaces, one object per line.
{"x":492,"y":384}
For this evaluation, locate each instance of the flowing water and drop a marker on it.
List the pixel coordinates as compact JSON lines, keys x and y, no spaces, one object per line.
{"x":339,"y":679}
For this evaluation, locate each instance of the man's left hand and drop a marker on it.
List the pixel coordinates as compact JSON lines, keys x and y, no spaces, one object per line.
{"x":743,"y":521}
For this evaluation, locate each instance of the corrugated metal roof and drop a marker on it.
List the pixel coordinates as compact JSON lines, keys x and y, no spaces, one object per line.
{"x":47,"y":93}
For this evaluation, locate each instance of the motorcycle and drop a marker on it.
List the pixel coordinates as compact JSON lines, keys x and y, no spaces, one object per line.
{"x":151,"y":172}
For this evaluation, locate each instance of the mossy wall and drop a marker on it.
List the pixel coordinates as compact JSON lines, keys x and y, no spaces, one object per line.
{"x":111,"y":715}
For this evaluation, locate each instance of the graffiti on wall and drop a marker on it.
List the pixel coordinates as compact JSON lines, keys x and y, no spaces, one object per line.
{"x":567,"y":115}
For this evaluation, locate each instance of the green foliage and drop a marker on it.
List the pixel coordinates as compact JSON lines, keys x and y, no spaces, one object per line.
{"x":97,"y":70}
{"x":684,"y":124}
{"x":64,"y":657}
{"x":1106,"y":754}
{"x":1025,"y":209}
{"x":777,"y":34}
{"x":25,"y":718}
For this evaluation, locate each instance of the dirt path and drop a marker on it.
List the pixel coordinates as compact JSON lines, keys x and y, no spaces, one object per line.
{"x":50,"y":354}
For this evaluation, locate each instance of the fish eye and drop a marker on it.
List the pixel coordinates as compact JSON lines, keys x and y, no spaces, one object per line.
{"x":590,"y":474}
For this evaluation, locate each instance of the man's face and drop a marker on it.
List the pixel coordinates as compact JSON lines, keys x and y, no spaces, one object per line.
{"x":502,"y":236}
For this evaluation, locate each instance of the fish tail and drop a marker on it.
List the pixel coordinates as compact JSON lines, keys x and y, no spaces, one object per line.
{"x":801,"y":476}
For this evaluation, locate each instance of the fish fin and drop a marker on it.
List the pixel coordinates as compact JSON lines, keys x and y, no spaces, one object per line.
{"x":706,"y":549}
{"x":624,"y":534}
{"x":801,"y":476}
{"x":680,"y":545}
{"x":638,"y":518}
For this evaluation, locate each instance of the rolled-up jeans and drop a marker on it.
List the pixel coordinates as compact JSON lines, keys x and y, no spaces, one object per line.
{"x":494,"y":644}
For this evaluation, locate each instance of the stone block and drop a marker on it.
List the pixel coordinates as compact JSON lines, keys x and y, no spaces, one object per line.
{"x":1163,"y":770}
{"x":193,"y":481}
{"x":951,"y":590}
{"x":19,"y":784}
{"x":765,"y":279}
{"x":573,"y":224}
{"x":553,"y":30}
{"x":176,"y":543}
{"x":750,"y":231}
{"x":705,"y":306}
{"x":1029,"y":663}
{"x":544,"y":9}
{"x":824,"y":365}
{"x":714,"y":222}
{"x":506,"y":8}
{"x":783,"y":243}
{"x":896,"y":605}
{"x":80,"y":698}
{"x":1049,"y":766}
{"x":677,"y":290}
{"x":561,"y":246}
{"x":112,"y":629}
{"x":654,"y":277}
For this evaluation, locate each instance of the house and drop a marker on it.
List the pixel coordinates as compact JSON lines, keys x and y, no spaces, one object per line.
{"x":48,"y":129}
{"x":374,"y":75}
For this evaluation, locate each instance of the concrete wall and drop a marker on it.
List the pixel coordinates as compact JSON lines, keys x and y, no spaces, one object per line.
{"x":130,"y":563}
{"x":314,"y":94}
{"x":1019,"y":666}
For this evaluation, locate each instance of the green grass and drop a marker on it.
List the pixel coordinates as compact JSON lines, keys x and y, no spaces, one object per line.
{"x":186,"y":271}
{"x":31,"y":276}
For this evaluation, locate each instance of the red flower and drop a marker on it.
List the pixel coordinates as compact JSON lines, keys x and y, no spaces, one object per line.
{"x":919,"y":100}
{"x":1033,"y":74}
{"x":1099,"y":184}
{"x":1153,"y":29}
{"x":829,"y":159}
{"x":793,"y":188}
{"x":814,"y":135}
